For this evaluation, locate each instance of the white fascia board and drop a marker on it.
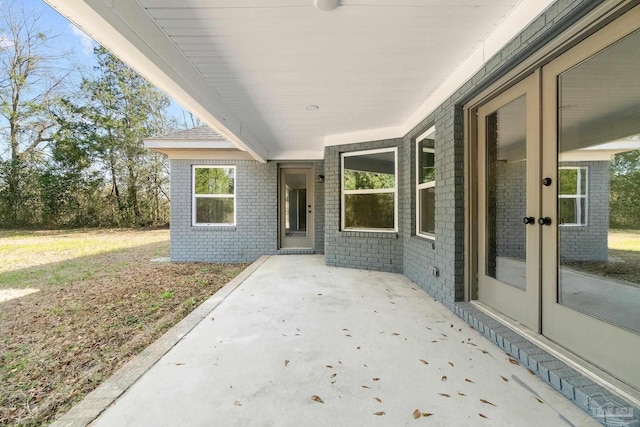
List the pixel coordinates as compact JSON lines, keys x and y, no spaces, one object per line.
{"x":198,"y":154}
{"x":123,"y":27}
{"x":291,"y":155}
{"x":516,"y":21}
{"x":181,"y":144}
{"x":363,"y":136}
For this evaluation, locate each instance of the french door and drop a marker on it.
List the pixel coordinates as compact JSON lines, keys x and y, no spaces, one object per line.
{"x":509,"y":203}
{"x":557,"y":234}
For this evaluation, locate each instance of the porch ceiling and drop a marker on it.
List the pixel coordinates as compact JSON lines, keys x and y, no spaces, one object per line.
{"x":249,"y":68}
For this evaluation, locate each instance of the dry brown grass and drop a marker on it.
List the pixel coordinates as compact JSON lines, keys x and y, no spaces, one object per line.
{"x":59,"y":343}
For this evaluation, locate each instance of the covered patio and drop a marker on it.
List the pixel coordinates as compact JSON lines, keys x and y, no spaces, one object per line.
{"x":293,"y":342}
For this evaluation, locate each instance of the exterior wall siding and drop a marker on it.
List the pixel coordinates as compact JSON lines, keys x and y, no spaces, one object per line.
{"x":256,"y":229}
{"x":358,"y":249}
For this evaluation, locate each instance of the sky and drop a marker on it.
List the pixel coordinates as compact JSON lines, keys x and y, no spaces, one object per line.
{"x":74,"y":40}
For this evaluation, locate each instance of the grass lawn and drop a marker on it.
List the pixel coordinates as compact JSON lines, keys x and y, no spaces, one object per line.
{"x":91,"y":300}
{"x":624,"y":248}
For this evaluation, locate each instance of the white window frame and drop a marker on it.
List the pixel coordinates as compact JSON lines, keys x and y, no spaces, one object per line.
{"x":194,"y":197}
{"x":581,"y":170}
{"x":421,"y":186}
{"x":394,"y":190}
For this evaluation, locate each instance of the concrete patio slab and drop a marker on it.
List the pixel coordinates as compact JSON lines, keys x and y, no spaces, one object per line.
{"x":373,"y":348}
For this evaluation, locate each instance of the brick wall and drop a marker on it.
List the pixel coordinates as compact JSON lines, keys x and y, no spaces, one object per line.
{"x":589,"y":242}
{"x":358,"y":249}
{"x":256,"y":230}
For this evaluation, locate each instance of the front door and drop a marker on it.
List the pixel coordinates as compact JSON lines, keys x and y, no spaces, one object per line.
{"x":558,"y":215}
{"x":296,"y":208}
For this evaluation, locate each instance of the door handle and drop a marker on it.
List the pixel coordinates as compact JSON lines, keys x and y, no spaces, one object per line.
{"x":529,"y":220}
{"x":544,"y":221}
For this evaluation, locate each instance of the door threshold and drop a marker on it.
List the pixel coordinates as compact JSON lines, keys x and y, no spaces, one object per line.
{"x":574,"y":361}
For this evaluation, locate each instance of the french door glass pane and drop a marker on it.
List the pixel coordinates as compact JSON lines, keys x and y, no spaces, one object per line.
{"x":599,"y":225}
{"x":506,"y":194}
{"x":295,"y":205}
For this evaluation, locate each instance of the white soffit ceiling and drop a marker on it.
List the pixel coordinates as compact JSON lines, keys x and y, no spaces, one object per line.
{"x":249,"y":68}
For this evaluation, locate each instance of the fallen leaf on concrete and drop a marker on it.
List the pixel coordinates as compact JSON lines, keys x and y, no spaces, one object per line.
{"x":444,"y":378}
{"x":345,"y":329}
{"x":179,"y":364}
{"x":538,"y":399}
{"x":333,"y":375}
{"x":426,"y":414}
{"x":395,"y":333}
{"x":347,"y":335}
{"x":424,"y":361}
{"x":469,"y":381}
{"x":328,"y":366}
{"x":483,"y":351}
{"x":513,"y":361}
{"x":506,"y":380}
{"x":379,"y":413}
{"x":375,"y":379}
{"x":451,"y":363}
{"x":236,"y":403}
{"x":212,"y":318}
{"x":358,"y":348}
{"x":317,"y":398}
{"x":461,"y":394}
{"x":487,"y":402}
{"x":483,"y":416}
{"x":364,"y":386}
{"x":378,"y":399}
{"x":444,"y":394}
{"x":286,"y":362}
{"x":416,"y":414}
{"x":428,"y":327}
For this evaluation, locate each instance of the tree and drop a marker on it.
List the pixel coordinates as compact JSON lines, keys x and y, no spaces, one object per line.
{"x":625,"y":190}
{"x":104,"y":130}
{"x":31,"y":81}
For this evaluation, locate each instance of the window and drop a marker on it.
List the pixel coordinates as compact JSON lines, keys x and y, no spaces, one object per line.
{"x":572,"y":196}
{"x":369,"y":196}
{"x":214,"y":195}
{"x":426,"y":184}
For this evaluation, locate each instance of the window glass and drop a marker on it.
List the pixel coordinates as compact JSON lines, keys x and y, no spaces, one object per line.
{"x":369,"y":190}
{"x":214,"y":195}
{"x":425,"y":184}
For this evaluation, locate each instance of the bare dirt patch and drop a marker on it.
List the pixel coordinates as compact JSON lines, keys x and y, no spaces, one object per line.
{"x":59,"y":344}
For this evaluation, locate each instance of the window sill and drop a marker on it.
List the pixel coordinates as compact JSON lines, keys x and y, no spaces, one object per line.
{"x":213,"y":228}
{"x":370,"y":234}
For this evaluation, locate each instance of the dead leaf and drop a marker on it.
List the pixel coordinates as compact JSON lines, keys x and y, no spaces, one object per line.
{"x":428,"y":327}
{"x":538,"y":399}
{"x":212,"y":318}
{"x":416,"y":414}
{"x":395,"y":333}
{"x":444,"y":394}
{"x":286,"y":362}
{"x":483,"y":416}
{"x":179,"y":364}
{"x":236,"y":403}
{"x":347,"y":335}
{"x":451,"y":363}
{"x":444,"y":378}
{"x":469,"y":381}
{"x":513,"y":361}
{"x":364,"y":386}
{"x":434,"y":341}
{"x":344,"y":329}
{"x":328,"y":366}
{"x":461,"y":394}
{"x":333,"y":375}
{"x":378,"y":399}
{"x":319,"y":294}
{"x":358,"y":348}
{"x":317,"y":398}
{"x":333,"y":382}
{"x":376,"y":379}
{"x":506,"y":380}
{"x":483,"y":351}
{"x":426,"y":414}
{"x":487,"y":402}
{"x":424,"y":361}
{"x":379,"y":413}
